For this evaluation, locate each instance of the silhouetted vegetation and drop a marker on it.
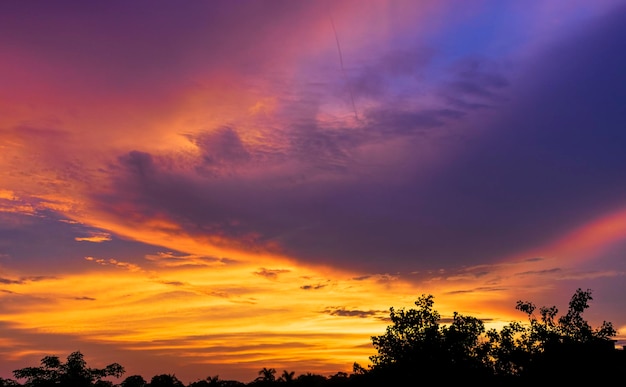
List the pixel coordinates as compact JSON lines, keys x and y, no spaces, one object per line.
{"x":547,"y":350}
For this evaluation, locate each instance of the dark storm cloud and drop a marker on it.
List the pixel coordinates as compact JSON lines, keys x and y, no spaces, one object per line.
{"x":476,"y":77}
{"x":545,"y":162}
{"x":221,"y":147}
{"x":326,"y":150}
{"x":402,"y":122}
{"x":139,"y":163}
{"x":554,"y":159}
{"x":377,"y":79}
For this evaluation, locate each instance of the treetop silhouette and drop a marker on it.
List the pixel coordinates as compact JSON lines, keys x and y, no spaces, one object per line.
{"x":547,"y":350}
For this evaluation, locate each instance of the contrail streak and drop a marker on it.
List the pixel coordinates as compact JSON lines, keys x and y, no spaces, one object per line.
{"x":343,"y":71}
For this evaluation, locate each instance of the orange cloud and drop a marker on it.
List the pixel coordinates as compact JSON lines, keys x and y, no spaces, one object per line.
{"x":244,"y":317}
{"x":96,"y":237}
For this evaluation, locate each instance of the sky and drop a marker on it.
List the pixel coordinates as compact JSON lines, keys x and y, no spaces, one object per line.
{"x":214,"y":187}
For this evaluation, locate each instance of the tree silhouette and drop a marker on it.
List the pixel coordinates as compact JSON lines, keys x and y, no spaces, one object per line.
{"x":545,"y":349}
{"x":567,"y":348}
{"x":266,"y":375}
{"x":208,"y":382}
{"x":74,"y":372}
{"x":287,"y":377}
{"x":134,"y":381}
{"x":311,"y":380}
{"x":413,"y":334}
{"x":8,"y":382}
{"x":103,"y":383}
{"x":416,"y":343}
{"x":165,"y":380}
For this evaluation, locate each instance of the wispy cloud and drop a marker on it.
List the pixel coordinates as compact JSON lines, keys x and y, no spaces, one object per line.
{"x":480,"y":289}
{"x":24,"y":280}
{"x":270,"y":273}
{"x":541,"y":272}
{"x":313,"y":287}
{"x":84,"y":298}
{"x":114,"y":262}
{"x":172,"y":259}
{"x":95,"y":237}
{"x":344,"y":312}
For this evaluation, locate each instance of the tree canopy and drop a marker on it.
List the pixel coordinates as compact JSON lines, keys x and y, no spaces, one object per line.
{"x":74,"y":372}
{"x":546,"y":350}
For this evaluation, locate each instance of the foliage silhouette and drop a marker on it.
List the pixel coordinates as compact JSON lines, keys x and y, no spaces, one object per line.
{"x":415,"y":344}
{"x":547,"y":350}
{"x":165,"y":380}
{"x":8,"y":382}
{"x":215,"y":381}
{"x":74,"y":372}
{"x":134,"y":381}
{"x":267,"y":376}
{"x":287,"y":377}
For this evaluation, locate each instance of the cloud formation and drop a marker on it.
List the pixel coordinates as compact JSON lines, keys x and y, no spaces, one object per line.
{"x":212,"y":155}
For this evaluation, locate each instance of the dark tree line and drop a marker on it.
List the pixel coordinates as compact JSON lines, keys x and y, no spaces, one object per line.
{"x":416,"y":347}
{"x":545,"y":351}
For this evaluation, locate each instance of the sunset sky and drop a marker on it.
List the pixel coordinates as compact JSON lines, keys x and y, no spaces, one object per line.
{"x":214,"y":187}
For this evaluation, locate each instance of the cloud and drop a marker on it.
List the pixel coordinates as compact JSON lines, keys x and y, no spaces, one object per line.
{"x":541,"y":272}
{"x":172,"y":259}
{"x":25,"y":280}
{"x":476,"y":82}
{"x":13,"y":204}
{"x":95,"y":237}
{"x":270,"y":273}
{"x":9,"y":195}
{"x":313,"y":287}
{"x":139,"y":163}
{"x":173,"y":283}
{"x":220,"y":148}
{"x":320,"y":182}
{"x":405,"y":122}
{"x":114,"y":262}
{"x":480,"y":289}
{"x":343,"y":312}
{"x":589,"y":275}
